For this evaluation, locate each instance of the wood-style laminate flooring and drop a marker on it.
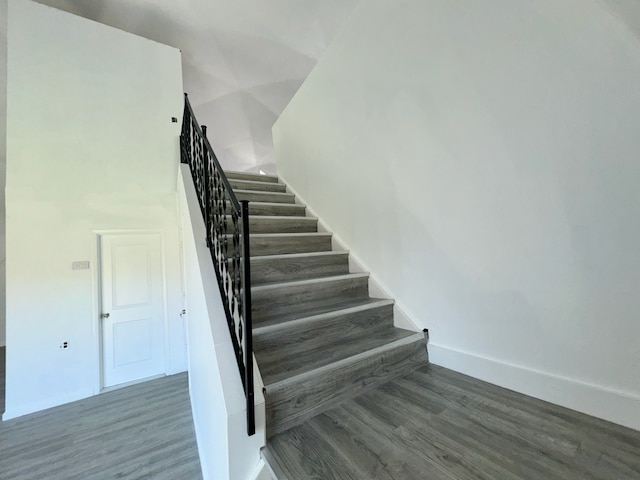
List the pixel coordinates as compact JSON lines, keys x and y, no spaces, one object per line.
{"x":143,"y":431}
{"x":3,"y":362}
{"x":437,"y":424}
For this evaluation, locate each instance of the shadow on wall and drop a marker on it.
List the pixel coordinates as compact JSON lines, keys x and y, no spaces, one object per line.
{"x":628,"y":11}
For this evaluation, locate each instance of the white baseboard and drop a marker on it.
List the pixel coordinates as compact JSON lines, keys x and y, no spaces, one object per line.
{"x":615,"y":406}
{"x":262,"y":472}
{"x":43,"y":405}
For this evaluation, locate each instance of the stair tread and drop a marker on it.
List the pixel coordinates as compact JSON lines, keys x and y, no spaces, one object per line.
{"x":282,"y":371}
{"x":267,"y":328}
{"x":309,"y":281}
{"x":274,"y":204}
{"x":262,"y":196}
{"x":304,"y":234}
{"x":255,"y":182}
{"x":278,"y":235}
{"x":241,"y":184}
{"x":259,"y":209}
{"x":312,"y":312}
{"x":269,"y":269}
{"x":263,"y":244}
{"x":279,"y":224}
{"x":281,"y":194}
{"x":286,"y":218}
{"x":295,"y":399}
{"x":258,"y":177}
{"x":288,"y":256}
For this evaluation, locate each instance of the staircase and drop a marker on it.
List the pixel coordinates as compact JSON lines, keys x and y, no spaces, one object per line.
{"x":319,"y":338}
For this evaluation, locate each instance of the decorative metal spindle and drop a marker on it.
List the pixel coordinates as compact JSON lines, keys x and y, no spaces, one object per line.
{"x":227,"y":227}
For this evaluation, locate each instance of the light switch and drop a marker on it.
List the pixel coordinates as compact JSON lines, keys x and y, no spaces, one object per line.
{"x":82,"y":265}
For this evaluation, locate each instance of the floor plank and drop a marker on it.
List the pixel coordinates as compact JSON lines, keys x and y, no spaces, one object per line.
{"x":438,"y":424}
{"x":143,"y":431}
{"x":3,"y":369}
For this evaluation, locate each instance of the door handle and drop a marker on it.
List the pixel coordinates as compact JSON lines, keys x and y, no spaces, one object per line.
{"x":105,"y":315}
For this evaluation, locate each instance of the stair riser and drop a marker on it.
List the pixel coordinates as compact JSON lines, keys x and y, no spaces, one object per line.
{"x":283,"y":245}
{"x":281,"y":209}
{"x":297,"y":401}
{"x":265,"y":197}
{"x":291,"y":299}
{"x":265,"y":270}
{"x":251,"y":176}
{"x":347,"y":325}
{"x":281,"y":225}
{"x":257,"y":186}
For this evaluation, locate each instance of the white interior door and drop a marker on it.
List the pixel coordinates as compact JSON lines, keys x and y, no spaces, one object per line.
{"x":132,"y":307}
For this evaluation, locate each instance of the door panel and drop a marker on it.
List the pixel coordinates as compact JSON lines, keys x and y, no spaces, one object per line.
{"x":132,"y":307}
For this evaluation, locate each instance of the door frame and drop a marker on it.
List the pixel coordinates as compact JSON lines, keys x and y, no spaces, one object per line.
{"x":97,"y":301}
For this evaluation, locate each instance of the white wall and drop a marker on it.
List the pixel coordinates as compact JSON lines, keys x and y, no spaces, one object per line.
{"x":243,"y":60}
{"x":481,"y":159}
{"x":217,"y":397}
{"x":3,"y":140}
{"x":90,"y":147}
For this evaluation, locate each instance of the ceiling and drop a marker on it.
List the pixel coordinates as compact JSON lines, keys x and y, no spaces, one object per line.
{"x":243,"y":60}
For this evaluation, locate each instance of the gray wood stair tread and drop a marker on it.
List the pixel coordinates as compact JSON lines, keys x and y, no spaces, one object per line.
{"x":289,"y":218}
{"x":314,"y":314}
{"x":281,"y":360}
{"x":276,"y":328}
{"x":283,"y":235}
{"x":251,"y":176}
{"x":279,"y":224}
{"x":277,"y":218}
{"x":257,"y":209}
{"x":270,"y":269}
{"x":288,"y":256}
{"x":292,"y":235}
{"x":285,"y":300}
{"x":274,"y":204}
{"x":284,"y":243}
{"x":274,"y":194}
{"x":254,"y":182}
{"x":405,"y":338}
{"x":296,"y":399}
{"x":310,"y":281}
{"x":257,"y":186}
{"x":259,"y":196}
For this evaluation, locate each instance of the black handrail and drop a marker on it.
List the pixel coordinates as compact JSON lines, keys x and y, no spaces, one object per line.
{"x":227,"y":225}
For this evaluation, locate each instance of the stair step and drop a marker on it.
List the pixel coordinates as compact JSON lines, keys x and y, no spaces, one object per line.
{"x":258,"y":186}
{"x":290,"y":348}
{"x":256,"y":177}
{"x":275,"y":209}
{"x":285,"y":243}
{"x":295,"y":399}
{"x":282,"y":268}
{"x":303,"y":321}
{"x":271,"y":197}
{"x":287,"y":300}
{"x":277,"y":224}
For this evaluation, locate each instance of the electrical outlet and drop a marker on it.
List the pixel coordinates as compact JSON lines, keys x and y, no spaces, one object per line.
{"x":64,"y":345}
{"x":81,"y":265}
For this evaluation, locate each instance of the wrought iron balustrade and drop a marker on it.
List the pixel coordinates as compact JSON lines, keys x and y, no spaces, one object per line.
{"x":227,"y":228}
